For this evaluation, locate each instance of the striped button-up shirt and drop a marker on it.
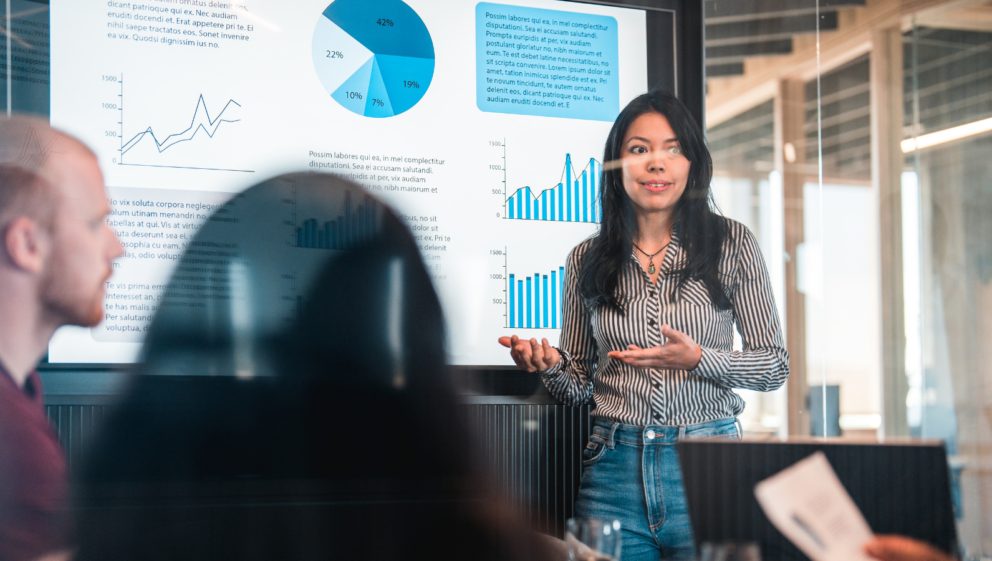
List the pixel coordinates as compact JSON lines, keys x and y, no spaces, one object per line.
{"x":658,"y":396}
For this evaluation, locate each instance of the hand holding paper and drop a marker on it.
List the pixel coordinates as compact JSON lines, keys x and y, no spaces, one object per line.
{"x":810,"y":506}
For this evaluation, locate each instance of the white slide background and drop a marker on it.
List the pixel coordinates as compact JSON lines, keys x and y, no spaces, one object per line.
{"x":282,"y":115}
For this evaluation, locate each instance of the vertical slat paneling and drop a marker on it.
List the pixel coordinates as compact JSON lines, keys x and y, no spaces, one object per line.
{"x":532,"y":451}
{"x":533,"y":454}
{"x":76,"y":427}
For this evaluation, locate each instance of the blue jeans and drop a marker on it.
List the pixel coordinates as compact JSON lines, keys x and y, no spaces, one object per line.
{"x":632,"y":474}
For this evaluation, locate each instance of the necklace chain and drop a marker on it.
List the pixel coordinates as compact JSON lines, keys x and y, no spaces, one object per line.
{"x":651,"y":267}
{"x":651,"y":256}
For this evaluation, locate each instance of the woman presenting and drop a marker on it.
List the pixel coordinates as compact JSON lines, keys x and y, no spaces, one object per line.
{"x":649,"y":310}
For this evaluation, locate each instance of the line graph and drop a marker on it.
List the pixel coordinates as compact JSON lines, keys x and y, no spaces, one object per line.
{"x":210,"y":127}
{"x":201,"y":121}
{"x":574,"y":198}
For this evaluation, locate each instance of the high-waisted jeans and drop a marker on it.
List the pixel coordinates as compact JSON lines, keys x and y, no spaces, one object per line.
{"x":632,"y":474}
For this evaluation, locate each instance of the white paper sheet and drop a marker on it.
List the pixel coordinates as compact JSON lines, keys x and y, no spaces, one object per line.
{"x":810,"y":506}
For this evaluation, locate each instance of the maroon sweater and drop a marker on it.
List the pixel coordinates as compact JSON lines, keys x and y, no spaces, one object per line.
{"x":33,"y":474}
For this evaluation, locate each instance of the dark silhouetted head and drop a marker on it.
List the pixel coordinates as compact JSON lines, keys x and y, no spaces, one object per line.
{"x":294,"y":400}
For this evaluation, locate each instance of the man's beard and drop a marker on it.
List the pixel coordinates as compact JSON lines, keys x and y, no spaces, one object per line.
{"x":65,"y":301}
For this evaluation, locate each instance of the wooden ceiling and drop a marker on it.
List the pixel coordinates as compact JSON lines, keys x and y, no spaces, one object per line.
{"x":740,"y":29}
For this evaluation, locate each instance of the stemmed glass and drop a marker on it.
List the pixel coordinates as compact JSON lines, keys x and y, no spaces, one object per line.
{"x":730,"y":551}
{"x":589,"y":539}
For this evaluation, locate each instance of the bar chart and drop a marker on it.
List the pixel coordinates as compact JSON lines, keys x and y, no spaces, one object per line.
{"x":534,"y":302}
{"x":351,"y":227}
{"x":574,"y":199}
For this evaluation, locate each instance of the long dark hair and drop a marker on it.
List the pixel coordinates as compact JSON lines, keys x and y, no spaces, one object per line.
{"x":701,"y":231}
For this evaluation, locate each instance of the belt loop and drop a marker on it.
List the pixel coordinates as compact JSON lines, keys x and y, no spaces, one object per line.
{"x":740,"y":428}
{"x":610,"y":442}
{"x":681,"y":432}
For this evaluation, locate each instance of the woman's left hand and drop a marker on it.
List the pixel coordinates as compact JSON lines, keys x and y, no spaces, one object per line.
{"x":680,"y":352}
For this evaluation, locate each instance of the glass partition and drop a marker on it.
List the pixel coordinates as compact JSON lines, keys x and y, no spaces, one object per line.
{"x":947,"y":225}
{"x":873,"y":120}
{"x":746,"y":187}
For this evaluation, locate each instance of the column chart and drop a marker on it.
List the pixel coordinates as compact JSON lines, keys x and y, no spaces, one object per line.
{"x":574,"y":199}
{"x":535,"y":301}
{"x":350,"y":228}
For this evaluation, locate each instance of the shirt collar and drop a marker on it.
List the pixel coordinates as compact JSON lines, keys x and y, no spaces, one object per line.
{"x":32,"y":384}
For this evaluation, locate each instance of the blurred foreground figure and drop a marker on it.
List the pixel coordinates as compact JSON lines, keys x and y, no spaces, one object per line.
{"x":56,"y":254}
{"x":294,"y":401}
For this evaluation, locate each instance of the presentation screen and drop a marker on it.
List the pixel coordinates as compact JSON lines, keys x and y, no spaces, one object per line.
{"x":481,"y":123}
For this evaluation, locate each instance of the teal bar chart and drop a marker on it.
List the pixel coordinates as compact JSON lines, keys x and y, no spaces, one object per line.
{"x":534,"y":302}
{"x":354,"y":225}
{"x":574,"y":199}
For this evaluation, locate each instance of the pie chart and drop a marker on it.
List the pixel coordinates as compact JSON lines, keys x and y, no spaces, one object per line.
{"x":376,"y":59}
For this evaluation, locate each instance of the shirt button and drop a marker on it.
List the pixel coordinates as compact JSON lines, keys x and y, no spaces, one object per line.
{"x":655,"y":384}
{"x":650,"y":434}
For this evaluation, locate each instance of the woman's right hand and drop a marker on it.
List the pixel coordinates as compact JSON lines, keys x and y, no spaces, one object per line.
{"x":531,"y":355}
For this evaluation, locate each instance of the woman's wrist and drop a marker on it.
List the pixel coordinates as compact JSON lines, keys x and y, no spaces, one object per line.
{"x":556,"y":367}
{"x":698,"y":357}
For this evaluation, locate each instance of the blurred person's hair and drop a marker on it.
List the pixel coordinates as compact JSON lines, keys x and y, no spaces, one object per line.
{"x":31,"y":143}
{"x":25,"y":193}
{"x":27,"y":178}
{"x":369,"y":352}
{"x":350,"y":443}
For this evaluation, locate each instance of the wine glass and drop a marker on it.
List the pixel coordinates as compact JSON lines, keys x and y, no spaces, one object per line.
{"x":730,"y":551}
{"x":589,"y":539}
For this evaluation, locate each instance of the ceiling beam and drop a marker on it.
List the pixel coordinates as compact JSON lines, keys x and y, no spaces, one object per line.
{"x":945,"y":7}
{"x":718,"y":70}
{"x":737,"y":53}
{"x":731,"y":11}
{"x":763,"y":30}
{"x":974,"y":18}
